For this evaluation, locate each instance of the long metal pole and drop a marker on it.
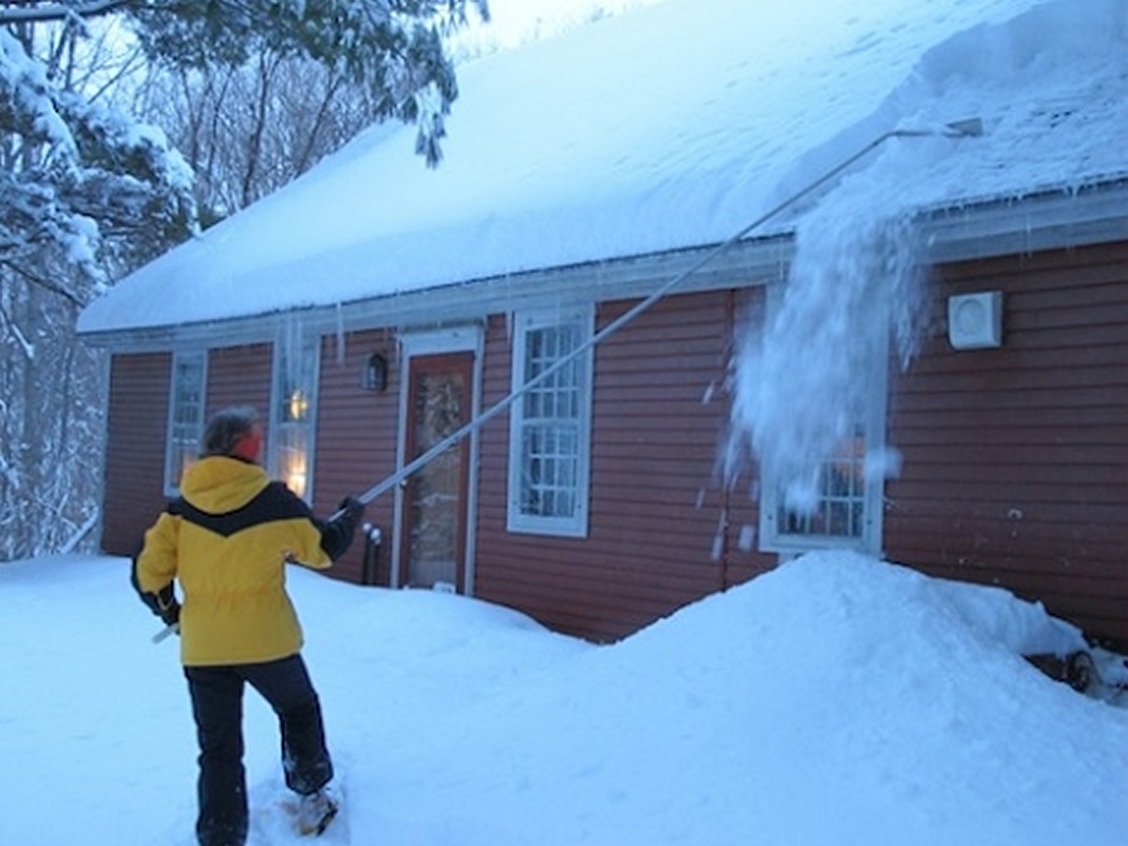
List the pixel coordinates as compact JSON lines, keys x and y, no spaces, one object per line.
{"x":614,"y":326}
{"x":961,"y":129}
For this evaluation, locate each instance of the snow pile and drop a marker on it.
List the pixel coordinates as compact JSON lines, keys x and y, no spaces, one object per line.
{"x":836,"y":700}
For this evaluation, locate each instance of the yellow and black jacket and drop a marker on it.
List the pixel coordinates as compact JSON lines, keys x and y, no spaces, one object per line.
{"x":227,"y":540}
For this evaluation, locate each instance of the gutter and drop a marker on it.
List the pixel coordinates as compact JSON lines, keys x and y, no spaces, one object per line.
{"x":983,"y":228}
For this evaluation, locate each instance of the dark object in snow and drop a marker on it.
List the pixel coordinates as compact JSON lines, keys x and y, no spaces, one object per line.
{"x":315,"y":812}
{"x":1076,"y":669}
{"x":310,"y":815}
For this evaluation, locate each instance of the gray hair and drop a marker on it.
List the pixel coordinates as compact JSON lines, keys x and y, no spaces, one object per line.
{"x":227,"y":427}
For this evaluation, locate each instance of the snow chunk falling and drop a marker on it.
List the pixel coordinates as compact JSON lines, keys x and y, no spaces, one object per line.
{"x":802,"y":383}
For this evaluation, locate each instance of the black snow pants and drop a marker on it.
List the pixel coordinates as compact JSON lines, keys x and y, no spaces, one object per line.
{"x":217,"y":705}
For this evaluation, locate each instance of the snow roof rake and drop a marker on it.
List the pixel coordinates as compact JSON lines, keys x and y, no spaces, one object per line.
{"x":967,"y":128}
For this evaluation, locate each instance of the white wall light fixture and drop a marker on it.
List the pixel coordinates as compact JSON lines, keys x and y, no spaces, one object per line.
{"x":975,"y":321}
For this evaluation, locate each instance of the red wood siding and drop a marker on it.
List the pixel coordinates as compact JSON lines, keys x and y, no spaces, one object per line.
{"x":343,"y":457}
{"x":661,"y":533}
{"x":240,"y":376}
{"x":135,"y":449}
{"x":740,"y":558}
{"x":1016,"y":459}
{"x":138,"y":429}
{"x":356,"y":439}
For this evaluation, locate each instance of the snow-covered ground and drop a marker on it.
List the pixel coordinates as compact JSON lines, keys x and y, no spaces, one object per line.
{"x":837,"y":700}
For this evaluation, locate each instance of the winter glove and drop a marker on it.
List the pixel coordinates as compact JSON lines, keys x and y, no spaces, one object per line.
{"x":353,"y":508}
{"x":170,"y":613}
{"x":164,"y":604}
{"x":337,"y":534}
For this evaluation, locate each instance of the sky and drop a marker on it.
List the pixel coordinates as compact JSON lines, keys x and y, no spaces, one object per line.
{"x":673,"y":125}
{"x":835,"y":700}
{"x":514,"y":23}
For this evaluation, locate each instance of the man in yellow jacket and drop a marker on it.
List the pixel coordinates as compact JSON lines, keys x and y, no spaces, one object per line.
{"x":227,"y":540}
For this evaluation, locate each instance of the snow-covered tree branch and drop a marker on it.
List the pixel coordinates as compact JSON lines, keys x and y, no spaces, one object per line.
{"x":31,"y":11}
{"x":88,"y":191}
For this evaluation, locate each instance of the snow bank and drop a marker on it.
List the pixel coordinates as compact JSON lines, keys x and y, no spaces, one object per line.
{"x":835,"y":700}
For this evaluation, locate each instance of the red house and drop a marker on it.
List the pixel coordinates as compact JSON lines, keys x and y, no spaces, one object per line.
{"x":620,"y":206}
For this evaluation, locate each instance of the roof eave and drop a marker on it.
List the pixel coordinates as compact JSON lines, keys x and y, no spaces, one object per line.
{"x":744,"y":264}
{"x":1049,"y":220}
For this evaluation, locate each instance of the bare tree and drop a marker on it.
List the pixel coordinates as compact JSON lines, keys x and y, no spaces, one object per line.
{"x":50,"y":423}
{"x":247,"y":131}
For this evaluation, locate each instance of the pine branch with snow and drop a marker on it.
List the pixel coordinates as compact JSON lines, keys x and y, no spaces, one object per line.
{"x":395,"y":48}
{"x":74,"y":173}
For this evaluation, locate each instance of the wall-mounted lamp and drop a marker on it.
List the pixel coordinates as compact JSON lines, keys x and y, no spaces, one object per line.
{"x":375,"y":375}
{"x":297,"y":405}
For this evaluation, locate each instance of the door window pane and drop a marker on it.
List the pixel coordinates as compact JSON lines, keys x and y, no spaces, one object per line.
{"x":434,"y":501}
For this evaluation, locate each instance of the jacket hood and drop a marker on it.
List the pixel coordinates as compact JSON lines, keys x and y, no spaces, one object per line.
{"x":218,"y":484}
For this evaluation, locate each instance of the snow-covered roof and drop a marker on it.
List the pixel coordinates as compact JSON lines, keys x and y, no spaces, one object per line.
{"x":669,"y":127}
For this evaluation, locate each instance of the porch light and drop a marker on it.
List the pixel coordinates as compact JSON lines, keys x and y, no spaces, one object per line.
{"x":375,"y":375}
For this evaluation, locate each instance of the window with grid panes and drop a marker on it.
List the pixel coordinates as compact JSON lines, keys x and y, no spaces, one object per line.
{"x":293,"y":411}
{"x":846,"y":511}
{"x":185,"y":417}
{"x":550,"y":425}
{"x":841,"y":506}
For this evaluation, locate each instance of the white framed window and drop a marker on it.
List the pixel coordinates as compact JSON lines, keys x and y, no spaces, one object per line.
{"x":550,"y":424}
{"x":185,"y":416}
{"x":846,"y":508}
{"x":846,"y":511}
{"x":293,"y":412}
{"x":843,"y":507}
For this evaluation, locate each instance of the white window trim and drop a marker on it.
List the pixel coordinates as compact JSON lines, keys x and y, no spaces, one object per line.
{"x":312,"y":347}
{"x":171,"y":487}
{"x":575,"y":526}
{"x":871,"y":539}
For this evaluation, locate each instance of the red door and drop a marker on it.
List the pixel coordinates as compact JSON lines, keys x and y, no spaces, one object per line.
{"x":433,"y":532}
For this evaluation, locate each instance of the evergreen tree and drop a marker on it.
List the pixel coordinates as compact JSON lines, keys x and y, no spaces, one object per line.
{"x":394,"y":47}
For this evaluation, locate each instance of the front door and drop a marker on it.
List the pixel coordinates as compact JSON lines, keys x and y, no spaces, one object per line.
{"x":433,"y":532}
